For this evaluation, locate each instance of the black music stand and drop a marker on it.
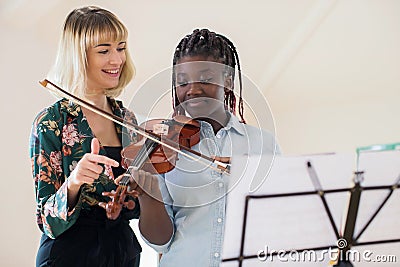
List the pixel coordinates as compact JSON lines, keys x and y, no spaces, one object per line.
{"x":372,"y":161}
{"x":323,"y":203}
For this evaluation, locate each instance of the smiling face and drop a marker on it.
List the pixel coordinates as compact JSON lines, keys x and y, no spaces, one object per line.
{"x":201,"y":86}
{"x":104,"y":66}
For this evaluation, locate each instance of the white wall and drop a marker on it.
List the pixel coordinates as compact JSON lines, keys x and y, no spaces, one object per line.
{"x":329,"y":69}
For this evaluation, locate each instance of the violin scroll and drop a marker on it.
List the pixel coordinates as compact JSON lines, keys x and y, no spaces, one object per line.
{"x":114,"y":206}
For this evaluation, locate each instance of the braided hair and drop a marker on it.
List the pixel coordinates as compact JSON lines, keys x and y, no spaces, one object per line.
{"x":206,"y":43}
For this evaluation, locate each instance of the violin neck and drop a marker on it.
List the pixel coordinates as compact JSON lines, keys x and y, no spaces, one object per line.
{"x":144,"y":154}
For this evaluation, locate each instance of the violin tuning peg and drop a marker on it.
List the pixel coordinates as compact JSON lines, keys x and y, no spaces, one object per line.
{"x":130,"y":204}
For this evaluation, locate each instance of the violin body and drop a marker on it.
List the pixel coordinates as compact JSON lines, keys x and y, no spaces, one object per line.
{"x":161,"y":159}
{"x":151,"y":156}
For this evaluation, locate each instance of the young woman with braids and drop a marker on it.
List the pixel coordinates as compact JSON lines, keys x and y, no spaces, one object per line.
{"x":203,"y":76}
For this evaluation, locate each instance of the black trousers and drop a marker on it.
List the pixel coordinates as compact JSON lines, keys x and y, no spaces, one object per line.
{"x":93,"y":241}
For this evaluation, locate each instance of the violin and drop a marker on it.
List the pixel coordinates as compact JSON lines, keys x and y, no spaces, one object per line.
{"x":151,"y":157}
{"x":156,"y":158}
{"x":160,"y":142}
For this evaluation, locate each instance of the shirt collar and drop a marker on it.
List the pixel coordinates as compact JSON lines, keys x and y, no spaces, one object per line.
{"x":235,"y":124}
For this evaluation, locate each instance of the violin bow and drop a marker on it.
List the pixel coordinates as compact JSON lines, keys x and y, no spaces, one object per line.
{"x":220,"y":166}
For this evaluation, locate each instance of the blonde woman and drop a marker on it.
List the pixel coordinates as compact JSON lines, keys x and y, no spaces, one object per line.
{"x":75,"y":152}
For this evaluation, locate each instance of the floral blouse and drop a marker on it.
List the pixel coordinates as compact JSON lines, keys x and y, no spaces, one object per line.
{"x":60,"y":137}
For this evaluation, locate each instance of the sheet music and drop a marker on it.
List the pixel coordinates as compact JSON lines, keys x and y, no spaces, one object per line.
{"x":295,"y":222}
{"x":286,"y":222}
{"x":380,"y":168}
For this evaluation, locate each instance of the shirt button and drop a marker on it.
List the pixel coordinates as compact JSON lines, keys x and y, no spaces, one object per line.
{"x":216,"y":254}
{"x":219,"y":220}
{"x":218,"y":135}
{"x":221,"y":185}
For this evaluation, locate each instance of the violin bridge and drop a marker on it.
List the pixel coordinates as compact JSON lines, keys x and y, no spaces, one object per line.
{"x":160,"y":129}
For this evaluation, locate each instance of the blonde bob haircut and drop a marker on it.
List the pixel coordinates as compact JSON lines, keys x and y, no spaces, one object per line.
{"x":84,"y":28}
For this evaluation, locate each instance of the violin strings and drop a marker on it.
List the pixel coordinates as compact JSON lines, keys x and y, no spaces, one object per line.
{"x":144,"y":153}
{"x":137,"y":162}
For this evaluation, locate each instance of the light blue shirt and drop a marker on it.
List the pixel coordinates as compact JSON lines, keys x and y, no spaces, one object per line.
{"x":195,"y":195}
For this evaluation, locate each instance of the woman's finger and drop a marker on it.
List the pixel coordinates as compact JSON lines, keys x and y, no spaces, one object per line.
{"x":95,"y":146}
{"x":101,"y":159}
{"x":116,"y":181}
{"x":93,"y":167}
{"x":87,"y":172}
{"x":87,"y":179}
